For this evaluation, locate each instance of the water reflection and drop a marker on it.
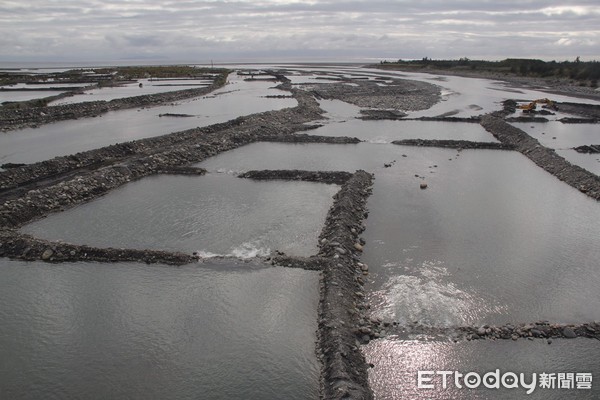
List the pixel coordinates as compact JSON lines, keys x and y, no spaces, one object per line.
{"x":68,"y":137}
{"x":97,"y":331}
{"x":214,"y":215}
{"x":397,"y":362}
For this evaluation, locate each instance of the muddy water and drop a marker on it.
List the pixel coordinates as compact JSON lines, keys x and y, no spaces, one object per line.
{"x":67,"y":137}
{"x":397,"y":362}
{"x":105,"y":331}
{"x":217,"y":214}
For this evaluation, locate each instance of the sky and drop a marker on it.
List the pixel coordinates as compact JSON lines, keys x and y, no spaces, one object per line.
{"x":280,"y":30}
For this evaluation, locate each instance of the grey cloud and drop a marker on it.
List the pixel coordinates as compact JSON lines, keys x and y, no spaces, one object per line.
{"x":112,"y":29}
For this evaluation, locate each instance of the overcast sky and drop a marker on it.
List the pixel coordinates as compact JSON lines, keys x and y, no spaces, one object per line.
{"x":263,"y":30}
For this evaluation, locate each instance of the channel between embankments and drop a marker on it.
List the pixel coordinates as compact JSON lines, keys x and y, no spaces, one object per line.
{"x":579,"y":178}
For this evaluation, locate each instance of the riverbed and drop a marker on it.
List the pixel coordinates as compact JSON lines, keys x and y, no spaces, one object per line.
{"x":454,"y":238}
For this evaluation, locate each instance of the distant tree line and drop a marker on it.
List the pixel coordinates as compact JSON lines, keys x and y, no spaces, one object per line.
{"x":583,"y":72}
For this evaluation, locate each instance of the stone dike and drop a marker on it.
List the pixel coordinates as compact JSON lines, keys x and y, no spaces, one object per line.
{"x":25,"y":247}
{"x":546,"y":158}
{"x":342,"y":305}
{"x":330,"y":177}
{"x":31,"y":117}
{"x":33,"y":191}
{"x":536,"y":330}
{"x":454,"y":144}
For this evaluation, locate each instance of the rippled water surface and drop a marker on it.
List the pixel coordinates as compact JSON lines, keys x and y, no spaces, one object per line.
{"x":388,"y":131}
{"x":492,"y":239}
{"x":397,"y":362}
{"x":132,"y":89}
{"x":217,"y":214}
{"x":226,"y":330}
{"x":67,"y":137}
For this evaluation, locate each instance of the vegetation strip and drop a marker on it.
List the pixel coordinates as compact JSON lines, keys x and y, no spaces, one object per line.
{"x":454,"y":144}
{"x":344,"y":371}
{"x":579,"y":178}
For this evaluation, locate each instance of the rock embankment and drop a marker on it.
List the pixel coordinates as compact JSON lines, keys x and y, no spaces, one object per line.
{"x":330,"y":177}
{"x":536,"y":330}
{"x":30,"y":192}
{"x":17,"y":118}
{"x":25,"y":247}
{"x":304,"y":138}
{"x":579,"y":178}
{"x":591,"y":149}
{"x":344,"y":374}
{"x":454,"y":144}
{"x":399,"y":95}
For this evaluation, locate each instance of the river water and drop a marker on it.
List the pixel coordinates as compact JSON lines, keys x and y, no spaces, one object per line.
{"x":215,"y":215}
{"x":236,"y":99}
{"x":493,"y":239}
{"x":221,"y":330}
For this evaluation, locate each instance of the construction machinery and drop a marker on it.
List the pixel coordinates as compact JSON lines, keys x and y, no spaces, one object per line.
{"x":531,"y":107}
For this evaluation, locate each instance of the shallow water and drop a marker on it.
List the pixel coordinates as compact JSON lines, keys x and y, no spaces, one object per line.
{"x":27,"y":95}
{"x":557,"y":135}
{"x":397,"y":362}
{"x":388,"y":131}
{"x":312,"y":157}
{"x":131,"y":89}
{"x":105,"y":331}
{"x":461,"y":97}
{"x":493,"y":239}
{"x":591,"y":162}
{"x":217,"y":214}
{"x":67,"y":137}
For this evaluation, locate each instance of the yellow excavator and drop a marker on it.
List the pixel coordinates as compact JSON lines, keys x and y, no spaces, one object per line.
{"x":531,"y":107}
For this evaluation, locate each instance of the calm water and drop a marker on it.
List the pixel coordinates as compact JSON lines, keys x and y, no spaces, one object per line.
{"x":557,"y":135}
{"x":27,"y":95}
{"x":397,"y":363}
{"x":113,"y":331}
{"x":591,"y":162}
{"x":388,"y":131}
{"x":493,"y":239}
{"x":67,"y":137}
{"x":132,"y":89}
{"x":563,"y":137}
{"x":217,"y":214}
